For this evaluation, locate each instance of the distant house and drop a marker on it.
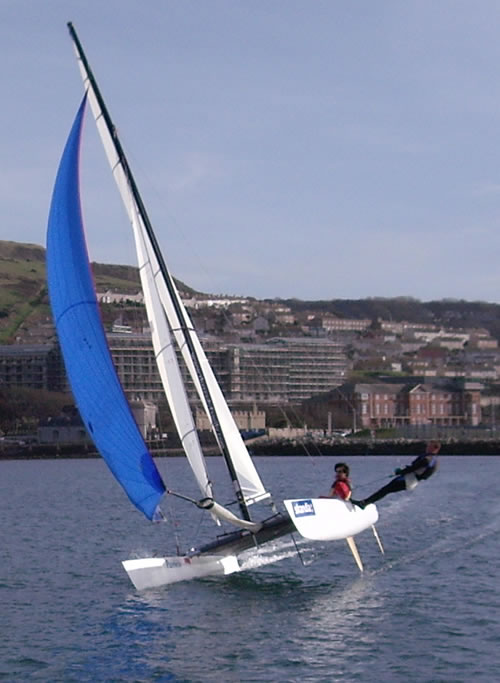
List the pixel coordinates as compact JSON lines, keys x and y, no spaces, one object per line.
{"x":110,"y":297}
{"x":246,"y":420}
{"x":331,"y":324}
{"x":63,"y":429}
{"x":69,"y":428}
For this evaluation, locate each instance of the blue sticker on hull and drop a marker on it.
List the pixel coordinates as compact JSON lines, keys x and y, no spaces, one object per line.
{"x":303,"y":508}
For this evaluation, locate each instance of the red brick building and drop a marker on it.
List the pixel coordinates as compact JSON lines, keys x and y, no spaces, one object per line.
{"x":371,"y":406}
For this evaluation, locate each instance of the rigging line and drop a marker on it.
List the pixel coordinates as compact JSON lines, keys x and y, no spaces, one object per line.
{"x":312,"y":456}
{"x":201,"y":519}
{"x":375,"y":481}
{"x":174,"y":523}
{"x":183,"y":497}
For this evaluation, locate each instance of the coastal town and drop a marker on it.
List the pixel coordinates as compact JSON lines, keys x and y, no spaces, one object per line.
{"x":289,"y":371}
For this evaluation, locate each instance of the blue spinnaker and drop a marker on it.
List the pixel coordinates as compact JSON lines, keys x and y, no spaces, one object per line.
{"x":94,"y":382}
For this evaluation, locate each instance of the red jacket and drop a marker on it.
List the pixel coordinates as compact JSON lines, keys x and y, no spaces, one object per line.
{"x":341,"y":489}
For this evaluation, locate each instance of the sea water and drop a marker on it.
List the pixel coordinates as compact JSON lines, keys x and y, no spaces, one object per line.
{"x":428,"y":610}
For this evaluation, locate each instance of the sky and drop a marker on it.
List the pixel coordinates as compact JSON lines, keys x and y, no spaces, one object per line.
{"x":314,"y":149}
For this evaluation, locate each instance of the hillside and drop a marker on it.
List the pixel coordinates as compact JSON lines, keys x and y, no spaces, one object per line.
{"x":24,"y":303}
{"x":447,"y":312}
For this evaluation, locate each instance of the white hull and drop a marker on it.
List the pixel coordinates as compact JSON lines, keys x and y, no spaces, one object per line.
{"x":317,"y":519}
{"x":329,"y":519}
{"x":150,"y":572}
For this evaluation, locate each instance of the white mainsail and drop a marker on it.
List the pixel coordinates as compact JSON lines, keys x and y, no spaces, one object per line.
{"x":159,"y":303}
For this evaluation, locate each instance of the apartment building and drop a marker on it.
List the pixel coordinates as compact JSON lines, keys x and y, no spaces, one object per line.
{"x":135,"y":363}
{"x":36,"y":366}
{"x":284,"y":370}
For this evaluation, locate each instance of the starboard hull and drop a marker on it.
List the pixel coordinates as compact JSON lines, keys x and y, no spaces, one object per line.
{"x":329,"y":519}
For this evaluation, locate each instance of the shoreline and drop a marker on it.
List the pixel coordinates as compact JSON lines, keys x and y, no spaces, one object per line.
{"x":366,"y":447}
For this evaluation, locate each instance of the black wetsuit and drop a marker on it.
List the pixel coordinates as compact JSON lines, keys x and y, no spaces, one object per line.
{"x":421,"y":466}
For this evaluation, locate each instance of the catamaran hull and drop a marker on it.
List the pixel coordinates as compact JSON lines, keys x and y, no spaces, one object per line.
{"x":316,"y":519}
{"x":151,"y":572}
{"x":329,"y":519}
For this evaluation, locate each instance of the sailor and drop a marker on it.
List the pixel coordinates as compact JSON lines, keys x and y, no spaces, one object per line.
{"x":341,"y":487}
{"x":408,"y":477}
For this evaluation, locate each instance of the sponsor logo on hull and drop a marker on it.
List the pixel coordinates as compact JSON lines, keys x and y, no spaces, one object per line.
{"x":303,"y":508}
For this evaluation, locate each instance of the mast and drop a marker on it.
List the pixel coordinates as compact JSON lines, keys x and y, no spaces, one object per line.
{"x":165,"y":273}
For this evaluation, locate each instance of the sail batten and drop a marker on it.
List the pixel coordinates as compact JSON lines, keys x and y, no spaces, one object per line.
{"x":72,"y":306}
{"x":96,"y":388}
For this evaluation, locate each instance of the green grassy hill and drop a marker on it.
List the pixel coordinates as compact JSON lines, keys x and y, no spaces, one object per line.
{"x":23,"y":293}
{"x":24,"y":303}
